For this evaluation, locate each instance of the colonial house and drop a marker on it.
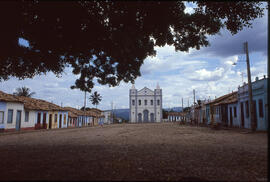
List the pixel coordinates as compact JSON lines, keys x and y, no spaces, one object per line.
{"x":214,"y":110}
{"x":175,"y":116}
{"x":12,"y":115}
{"x":108,"y":118}
{"x":72,"y":117}
{"x":97,"y":115}
{"x":45,"y":115}
{"x":260,"y":103}
{"x":224,"y":110}
{"x":77,"y":117}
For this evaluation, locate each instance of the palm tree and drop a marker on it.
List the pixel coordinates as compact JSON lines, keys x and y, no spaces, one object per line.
{"x":23,"y":91}
{"x":95,"y":98}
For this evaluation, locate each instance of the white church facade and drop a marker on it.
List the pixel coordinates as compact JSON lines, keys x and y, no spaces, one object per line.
{"x":145,"y":105}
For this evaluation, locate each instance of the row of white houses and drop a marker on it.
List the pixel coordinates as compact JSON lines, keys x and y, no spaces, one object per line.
{"x":23,"y":113}
{"x":232,"y":109}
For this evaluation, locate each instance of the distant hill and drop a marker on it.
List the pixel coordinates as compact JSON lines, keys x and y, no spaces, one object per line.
{"x":124,"y":113}
{"x":175,"y":109}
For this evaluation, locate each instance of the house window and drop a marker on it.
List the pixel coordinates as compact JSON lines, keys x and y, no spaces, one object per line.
{"x":1,"y":117}
{"x":140,"y":102}
{"x":50,"y":118}
{"x":44,"y":117}
{"x":234,"y":111}
{"x":152,"y":102}
{"x":133,"y":102}
{"x":26,"y":116}
{"x":261,"y":108}
{"x":158,"y":102}
{"x":145,"y":102}
{"x":65,"y":119}
{"x":39,"y":118}
{"x":247,"y":109}
{"x":55,"y":118}
{"x":10,"y":116}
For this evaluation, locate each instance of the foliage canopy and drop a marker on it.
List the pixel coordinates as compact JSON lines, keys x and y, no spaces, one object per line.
{"x":107,"y":40}
{"x":23,"y":91}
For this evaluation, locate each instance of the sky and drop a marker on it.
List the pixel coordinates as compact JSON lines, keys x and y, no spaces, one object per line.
{"x":210,"y":71}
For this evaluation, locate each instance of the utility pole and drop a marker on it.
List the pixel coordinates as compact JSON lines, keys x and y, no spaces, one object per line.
{"x":194,"y":96}
{"x":112,"y":112}
{"x":251,"y":110}
{"x":182,"y":104}
{"x":84,"y":106}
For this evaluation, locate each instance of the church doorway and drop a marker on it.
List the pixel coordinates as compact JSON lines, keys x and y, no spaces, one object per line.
{"x":140,"y":117}
{"x":145,"y":115}
{"x":152,"y":117}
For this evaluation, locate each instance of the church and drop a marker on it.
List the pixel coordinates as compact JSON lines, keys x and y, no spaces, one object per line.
{"x":145,"y":105}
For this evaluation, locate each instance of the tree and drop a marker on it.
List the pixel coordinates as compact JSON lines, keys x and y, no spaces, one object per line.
{"x":23,"y":91}
{"x":87,"y":108}
{"x":107,"y":40}
{"x":186,"y":109}
{"x":199,"y":102}
{"x":164,"y":114}
{"x":95,"y":98}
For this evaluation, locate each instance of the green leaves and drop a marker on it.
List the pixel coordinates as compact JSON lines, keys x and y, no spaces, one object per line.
{"x":95,"y":98}
{"x":92,"y":36}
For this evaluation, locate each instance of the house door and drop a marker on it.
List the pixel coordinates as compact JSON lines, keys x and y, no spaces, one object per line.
{"x":152,"y":117}
{"x":145,"y":116}
{"x":255,"y":113}
{"x":18,"y":120}
{"x":224,"y":110}
{"x":230,"y":116}
{"x":139,"y":117}
{"x":60,"y":120}
{"x":44,"y":125}
{"x":242,"y":116}
{"x":50,"y":121}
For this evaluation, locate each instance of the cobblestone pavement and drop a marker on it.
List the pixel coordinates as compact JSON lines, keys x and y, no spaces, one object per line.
{"x":164,"y":151}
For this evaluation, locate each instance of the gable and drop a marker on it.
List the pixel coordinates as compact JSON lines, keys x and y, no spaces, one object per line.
{"x":145,"y":91}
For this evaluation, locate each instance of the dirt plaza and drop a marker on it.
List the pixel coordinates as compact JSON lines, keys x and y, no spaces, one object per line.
{"x":161,"y":151}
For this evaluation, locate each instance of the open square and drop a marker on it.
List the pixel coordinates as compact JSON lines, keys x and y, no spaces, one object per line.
{"x":163,"y":151}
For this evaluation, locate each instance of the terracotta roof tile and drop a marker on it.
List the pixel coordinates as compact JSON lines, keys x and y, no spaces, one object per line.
{"x":8,"y":97}
{"x":39,"y":104}
{"x":220,"y":99}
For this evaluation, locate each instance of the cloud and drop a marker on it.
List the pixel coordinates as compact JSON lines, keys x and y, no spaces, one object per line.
{"x":204,"y":74}
{"x":225,"y":44}
{"x":209,"y":71}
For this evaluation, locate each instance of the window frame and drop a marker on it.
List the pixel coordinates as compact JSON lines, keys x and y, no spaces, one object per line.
{"x":55,"y":118}
{"x":247,"y":109}
{"x":65,"y":119}
{"x":234,"y":111}
{"x":9,"y":117}
{"x":145,"y":102}
{"x":261,"y":113}
{"x":2,"y":117}
{"x":26,"y":116}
